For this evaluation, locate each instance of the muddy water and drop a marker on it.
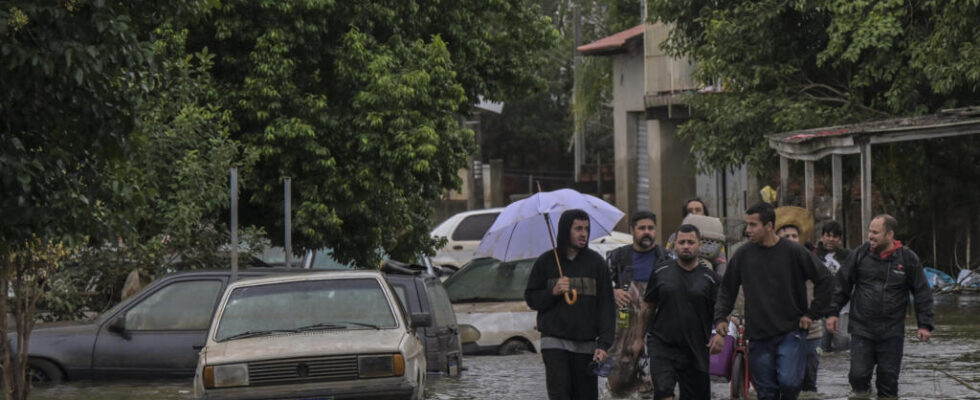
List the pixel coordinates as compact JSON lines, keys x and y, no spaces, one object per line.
{"x":943,"y":368}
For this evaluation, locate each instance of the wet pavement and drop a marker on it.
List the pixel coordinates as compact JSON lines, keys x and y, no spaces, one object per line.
{"x":946,"y":367}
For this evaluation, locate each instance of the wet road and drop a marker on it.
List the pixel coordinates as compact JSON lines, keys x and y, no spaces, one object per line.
{"x":942,"y":368}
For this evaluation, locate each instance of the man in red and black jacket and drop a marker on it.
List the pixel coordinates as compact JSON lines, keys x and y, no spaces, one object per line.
{"x":877,"y":279}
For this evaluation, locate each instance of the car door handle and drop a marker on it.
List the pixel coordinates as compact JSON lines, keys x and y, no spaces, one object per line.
{"x":458,"y":247}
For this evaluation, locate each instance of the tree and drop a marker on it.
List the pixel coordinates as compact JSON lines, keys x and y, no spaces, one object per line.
{"x":72,"y":74}
{"x":358,"y":103}
{"x":786,"y":66}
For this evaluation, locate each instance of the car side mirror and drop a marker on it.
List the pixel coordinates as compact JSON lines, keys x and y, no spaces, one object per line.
{"x":118,"y":326}
{"x":421,"y":320}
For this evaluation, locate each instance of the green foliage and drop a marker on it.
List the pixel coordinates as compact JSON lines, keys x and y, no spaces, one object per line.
{"x":358,"y":103}
{"x":803,"y":64}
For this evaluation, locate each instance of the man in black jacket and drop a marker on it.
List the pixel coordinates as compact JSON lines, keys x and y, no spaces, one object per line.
{"x":773,"y":273}
{"x":572,"y":335}
{"x":877,"y":279}
{"x":630,"y":267}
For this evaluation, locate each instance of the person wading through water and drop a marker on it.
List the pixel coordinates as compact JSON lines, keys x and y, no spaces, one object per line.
{"x":679,"y":307}
{"x":630,"y":267}
{"x":573,"y":336}
{"x":773,"y":272}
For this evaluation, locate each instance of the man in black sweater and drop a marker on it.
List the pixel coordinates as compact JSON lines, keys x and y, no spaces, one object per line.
{"x":680,"y":297}
{"x":773,"y":273}
{"x":572,"y":335}
{"x":877,"y":278}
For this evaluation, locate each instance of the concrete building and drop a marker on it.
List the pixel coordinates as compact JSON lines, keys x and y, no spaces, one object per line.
{"x":655,"y":170}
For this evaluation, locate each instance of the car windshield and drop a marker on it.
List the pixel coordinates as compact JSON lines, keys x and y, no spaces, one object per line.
{"x":306,"y":305}
{"x":488,"y":279}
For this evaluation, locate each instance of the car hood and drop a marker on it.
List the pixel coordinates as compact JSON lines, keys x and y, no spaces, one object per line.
{"x":305,"y":344}
{"x":491,"y":307}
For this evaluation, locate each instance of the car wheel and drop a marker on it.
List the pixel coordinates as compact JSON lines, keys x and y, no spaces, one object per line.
{"x":514,"y":346}
{"x":43,"y":372}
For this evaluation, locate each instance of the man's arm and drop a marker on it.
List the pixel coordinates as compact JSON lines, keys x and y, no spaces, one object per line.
{"x":922,"y":292}
{"x":727,"y":292}
{"x":538,"y":294}
{"x":846,"y":277}
{"x":823,"y":287}
{"x":606,"y":310}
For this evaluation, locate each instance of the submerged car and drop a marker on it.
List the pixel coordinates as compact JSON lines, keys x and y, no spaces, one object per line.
{"x":329,"y":335}
{"x":421,"y":292}
{"x":488,"y":297}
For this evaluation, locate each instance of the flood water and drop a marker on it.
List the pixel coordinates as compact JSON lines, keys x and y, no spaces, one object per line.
{"x":946,"y":367}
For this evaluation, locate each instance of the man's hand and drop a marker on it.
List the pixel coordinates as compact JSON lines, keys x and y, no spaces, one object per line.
{"x":923,"y":334}
{"x":622,"y":297}
{"x":599,"y":356}
{"x":805,"y":322}
{"x":833,"y":323}
{"x":637,"y":347}
{"x":562,"y":286}
{"x":716,"y":344}
{"x":721,"y":327}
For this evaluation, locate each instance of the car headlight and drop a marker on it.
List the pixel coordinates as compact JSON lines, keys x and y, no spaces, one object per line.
{"x":377,"y":366}
{"x":468,"y":333}
{"x":228,"y":375}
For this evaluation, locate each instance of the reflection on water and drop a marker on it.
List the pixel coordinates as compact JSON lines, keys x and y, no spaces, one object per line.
{"x":946,"y":367}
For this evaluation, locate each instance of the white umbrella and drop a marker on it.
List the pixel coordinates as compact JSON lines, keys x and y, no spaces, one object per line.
{"x":526,"y":227}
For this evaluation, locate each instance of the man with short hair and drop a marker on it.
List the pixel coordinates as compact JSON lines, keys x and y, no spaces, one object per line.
{"x":830,"y":250}
{"x":572,"y":335}
{"x":877,"y":278}
{"x":630,"y":267}
{"x":773,"y":272}
{"x":679,"y":307}
{"x":816,"y":331}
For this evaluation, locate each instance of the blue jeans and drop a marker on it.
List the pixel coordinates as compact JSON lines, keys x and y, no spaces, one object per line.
{"x":777,"y":365}
{"x":812,"y":363}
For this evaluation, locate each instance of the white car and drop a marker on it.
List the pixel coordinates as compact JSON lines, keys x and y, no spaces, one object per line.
{"x":488,"y":298}
{"x":463,"y":233}
{"x":334,"y":335}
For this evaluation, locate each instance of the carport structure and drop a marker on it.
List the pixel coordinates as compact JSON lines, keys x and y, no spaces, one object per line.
{"x":837,"y":141}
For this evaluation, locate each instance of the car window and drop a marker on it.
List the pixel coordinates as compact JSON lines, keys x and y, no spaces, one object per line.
{"x":474,"y":226}
{"x":403,"y":297}
{"x":487,"y":279}
{"x":323,"y":259}
{"x":442,"y":309}
{"x":182,"y":305}
{"x":329,"y":304}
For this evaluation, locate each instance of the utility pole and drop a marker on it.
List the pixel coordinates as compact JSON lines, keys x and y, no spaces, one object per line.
{"x":579,"y":133}
{"x":288,"y":224}
{"x":234,"y":224}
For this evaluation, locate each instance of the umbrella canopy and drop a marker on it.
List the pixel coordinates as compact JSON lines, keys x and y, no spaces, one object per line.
{"x":521,"y":232}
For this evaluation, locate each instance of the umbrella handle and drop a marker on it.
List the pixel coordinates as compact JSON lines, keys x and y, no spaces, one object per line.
{"x":573,"y":298}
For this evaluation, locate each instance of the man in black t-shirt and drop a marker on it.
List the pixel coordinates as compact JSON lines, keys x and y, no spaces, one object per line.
{"x":773,"y":273}
{"x":680,"y":299}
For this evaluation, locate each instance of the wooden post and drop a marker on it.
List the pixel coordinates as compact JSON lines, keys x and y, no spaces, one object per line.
{"x":783,"y":180}
{"x":808,"y":185}
{"x":865,"y":186}
{"x":837,"y":187}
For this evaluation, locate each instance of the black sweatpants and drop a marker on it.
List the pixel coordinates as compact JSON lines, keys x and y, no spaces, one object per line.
{"x":886,"y":354}
{"x":568,"y":375}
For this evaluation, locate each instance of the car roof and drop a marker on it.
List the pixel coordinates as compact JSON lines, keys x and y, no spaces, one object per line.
{"x":443,"y":228}
{"x":312,"y":275}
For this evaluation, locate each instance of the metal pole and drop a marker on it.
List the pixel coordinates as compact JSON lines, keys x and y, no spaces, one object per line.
{"x":288,"y":199}
{"x":234,"y":224}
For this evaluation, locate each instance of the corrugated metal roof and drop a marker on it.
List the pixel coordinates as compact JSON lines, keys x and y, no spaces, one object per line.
{"x":612,"y":44}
